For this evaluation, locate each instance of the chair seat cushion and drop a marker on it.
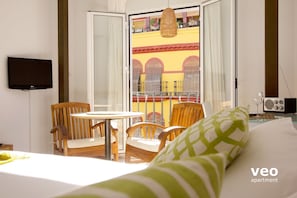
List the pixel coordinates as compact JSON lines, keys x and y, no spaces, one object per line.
{"x":88,"y":142}
{"x":144,"y":143}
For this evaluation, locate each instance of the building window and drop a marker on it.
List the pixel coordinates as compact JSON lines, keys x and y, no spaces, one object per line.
{"x":153,"y":76}
{"x":137,"y":70}
{"x":191,"y":75}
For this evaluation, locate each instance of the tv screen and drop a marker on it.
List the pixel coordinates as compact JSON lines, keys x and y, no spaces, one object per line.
{"x":26,"y":73}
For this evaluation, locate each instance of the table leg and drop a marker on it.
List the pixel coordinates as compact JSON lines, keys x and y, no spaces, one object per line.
{"x":107,"y":140}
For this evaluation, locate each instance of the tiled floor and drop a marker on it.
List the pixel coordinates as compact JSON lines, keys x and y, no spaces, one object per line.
{"x":122,"y":159}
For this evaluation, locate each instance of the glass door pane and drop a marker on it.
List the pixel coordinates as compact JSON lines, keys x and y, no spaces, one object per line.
{"x":218,"y":53}
{"x":107,"y":86}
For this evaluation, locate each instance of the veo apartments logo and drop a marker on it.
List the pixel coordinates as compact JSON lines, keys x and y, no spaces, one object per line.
{"x":264,"y":175}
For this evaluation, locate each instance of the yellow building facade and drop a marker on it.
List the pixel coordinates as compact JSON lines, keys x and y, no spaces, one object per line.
{"x":173,"y":56}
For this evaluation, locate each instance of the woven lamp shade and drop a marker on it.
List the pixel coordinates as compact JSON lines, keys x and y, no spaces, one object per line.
{"x":168,"y":26}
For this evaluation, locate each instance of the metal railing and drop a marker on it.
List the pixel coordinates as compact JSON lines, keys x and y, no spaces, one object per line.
{"x":157,"y":106}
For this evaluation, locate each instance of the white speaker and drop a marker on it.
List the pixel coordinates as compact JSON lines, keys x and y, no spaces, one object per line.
{"x":282,"y":105}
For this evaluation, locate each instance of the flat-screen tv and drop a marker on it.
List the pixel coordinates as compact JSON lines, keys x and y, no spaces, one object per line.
{"x":27,"y":73}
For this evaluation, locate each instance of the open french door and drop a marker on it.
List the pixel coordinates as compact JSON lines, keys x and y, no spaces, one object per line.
{"x":107,"y":64}
{"x":218,"y":53}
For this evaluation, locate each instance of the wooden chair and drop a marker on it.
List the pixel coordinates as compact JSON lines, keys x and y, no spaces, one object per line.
{"x":74,"y":136}
{"x":146,"y":146}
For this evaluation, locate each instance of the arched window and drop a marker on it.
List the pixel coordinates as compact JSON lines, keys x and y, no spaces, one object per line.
{"x":137,"y":70}
{"x":153,"y":77}
{"x":191,"y":75}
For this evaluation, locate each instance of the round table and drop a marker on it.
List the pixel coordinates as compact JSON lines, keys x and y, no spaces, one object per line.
{"x":107,"y":116}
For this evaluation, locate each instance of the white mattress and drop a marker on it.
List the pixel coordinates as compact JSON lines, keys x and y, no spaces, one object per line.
{"x":44,"y":175}
{"x":272,"y":146}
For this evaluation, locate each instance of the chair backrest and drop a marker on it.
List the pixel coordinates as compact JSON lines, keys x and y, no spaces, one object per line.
{"x":185,"y":114}
{"x":76,"y":128}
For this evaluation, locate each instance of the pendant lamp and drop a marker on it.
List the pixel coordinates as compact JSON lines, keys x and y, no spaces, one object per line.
{"x":168,"y":26}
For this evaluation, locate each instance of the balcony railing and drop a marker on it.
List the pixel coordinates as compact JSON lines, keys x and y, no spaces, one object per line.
{"x":157,"y":87}
{"x":157,"y":106}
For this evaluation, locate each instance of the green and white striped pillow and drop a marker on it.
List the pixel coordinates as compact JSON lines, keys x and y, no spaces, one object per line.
{"x":225,"y":131}
{"x":200,"y":176}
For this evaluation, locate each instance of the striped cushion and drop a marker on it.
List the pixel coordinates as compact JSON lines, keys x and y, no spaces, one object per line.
{"x":200,"y":176}
{"x":225,"y":131}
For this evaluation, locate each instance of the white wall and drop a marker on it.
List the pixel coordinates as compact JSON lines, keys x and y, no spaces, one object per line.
{"x":287,"y":48}
{"x":295,"y":44}
{"x":294,"y":41}
{"x":28,"y":29}
{"x":250,"y":51}
{"x":136,"y":6}
{"x":78,"y":45}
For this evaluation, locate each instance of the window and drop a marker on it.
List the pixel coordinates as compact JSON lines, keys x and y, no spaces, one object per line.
{"x":153,"y":76}
{"x":191,"y":75}
{"x":137,"y":70}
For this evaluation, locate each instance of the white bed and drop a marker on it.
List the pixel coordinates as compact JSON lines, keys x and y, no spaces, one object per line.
{"x":45,"y":175}
{"x":271,"y":145}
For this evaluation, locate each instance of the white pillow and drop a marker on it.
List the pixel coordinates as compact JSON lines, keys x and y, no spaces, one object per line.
{"x":272,"y":149}
{"x":199,"y":176}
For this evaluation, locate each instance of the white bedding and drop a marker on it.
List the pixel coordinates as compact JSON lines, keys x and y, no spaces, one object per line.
{"x":271,"y":145}
{"x":44,"y":175}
